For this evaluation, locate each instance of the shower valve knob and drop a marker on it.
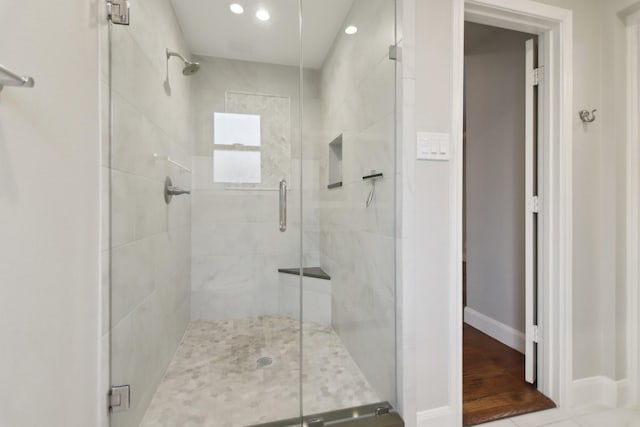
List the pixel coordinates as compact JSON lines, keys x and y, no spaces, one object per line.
{"x":171,"y":190}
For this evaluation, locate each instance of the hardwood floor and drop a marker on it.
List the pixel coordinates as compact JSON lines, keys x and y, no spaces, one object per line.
{"x":493,"y":381}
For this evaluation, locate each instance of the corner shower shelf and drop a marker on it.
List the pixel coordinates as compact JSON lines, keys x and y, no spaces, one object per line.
{"x":9,"y":78}
{"x":335,"y":163}
{"x":315,"y":272}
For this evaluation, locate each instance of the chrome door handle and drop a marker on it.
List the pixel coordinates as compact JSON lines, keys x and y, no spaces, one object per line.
{"x":283,"y":205}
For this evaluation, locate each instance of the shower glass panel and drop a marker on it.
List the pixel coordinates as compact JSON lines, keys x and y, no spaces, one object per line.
{"x":349,"y":338}
{"x":210,"y":98}
{"x":252,"y":211}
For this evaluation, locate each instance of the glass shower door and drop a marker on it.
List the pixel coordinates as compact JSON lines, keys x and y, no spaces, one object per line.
{"x":348,"y":304}
{"x":205,"y":147}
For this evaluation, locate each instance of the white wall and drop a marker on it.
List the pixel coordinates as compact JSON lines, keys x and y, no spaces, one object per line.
{"x":613,"y":112}
{"x":495,"y":172}
{"x":425,"y":207}
{"x":49,"y":215}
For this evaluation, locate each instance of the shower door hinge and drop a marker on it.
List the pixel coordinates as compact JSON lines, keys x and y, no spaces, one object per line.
{"x":536,"y":334}
{"x":315,"y":422}
{"x":394,"y":52}
{"x":382,"y":410}
{"x":535,"y":204}
{"x":118,"y":11}
{"x":120,"y":398}
{"x":536,"y":76}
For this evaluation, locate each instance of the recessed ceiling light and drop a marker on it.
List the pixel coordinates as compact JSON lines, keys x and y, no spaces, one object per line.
{"x":236,"y":8}
{"x":263,"y":15}
{"x":351,"y":29}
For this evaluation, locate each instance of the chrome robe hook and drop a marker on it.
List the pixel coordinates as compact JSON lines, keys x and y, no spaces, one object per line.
{"x":588,"y":117}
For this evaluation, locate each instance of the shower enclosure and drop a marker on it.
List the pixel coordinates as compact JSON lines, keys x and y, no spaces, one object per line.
{"x":252,"y":212}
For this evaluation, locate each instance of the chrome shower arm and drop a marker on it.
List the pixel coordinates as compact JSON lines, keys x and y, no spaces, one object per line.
{"x":190,"y":67}
{"x":171,"y":53}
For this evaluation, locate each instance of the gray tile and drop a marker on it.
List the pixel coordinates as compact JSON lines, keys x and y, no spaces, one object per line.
{"x":214,"y":378}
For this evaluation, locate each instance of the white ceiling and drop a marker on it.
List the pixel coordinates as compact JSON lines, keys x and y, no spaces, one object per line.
{"x":212,"y":30}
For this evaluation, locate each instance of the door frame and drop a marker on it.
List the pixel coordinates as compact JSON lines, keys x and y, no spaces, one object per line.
{"x":555,"y":29}
{"x":632,"y":22}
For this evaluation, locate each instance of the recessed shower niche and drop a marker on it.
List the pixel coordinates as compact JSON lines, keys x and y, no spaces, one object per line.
{"x":254,"y":133}
{"x":335,"y":163}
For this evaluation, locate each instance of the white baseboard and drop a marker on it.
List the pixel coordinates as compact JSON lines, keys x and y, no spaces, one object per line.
{"x":437,"y":417}
{"x":600,"y":390}
{"x":624,"y":393}
{"x":501,"y":332}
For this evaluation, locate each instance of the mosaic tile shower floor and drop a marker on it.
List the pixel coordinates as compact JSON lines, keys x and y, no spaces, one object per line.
{"x":214,"y":379}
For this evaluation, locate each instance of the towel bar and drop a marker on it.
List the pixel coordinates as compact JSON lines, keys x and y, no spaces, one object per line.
{"x":9,"y":78}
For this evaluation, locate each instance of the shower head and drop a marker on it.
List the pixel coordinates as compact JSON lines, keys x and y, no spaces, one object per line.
{"x":190,"y":68}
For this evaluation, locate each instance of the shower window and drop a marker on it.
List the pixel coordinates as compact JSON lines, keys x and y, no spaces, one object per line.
{"x":238,"y":167}
{"x":236,"y":155}
{"x":252,"y":140}
{"x":236,"y":129}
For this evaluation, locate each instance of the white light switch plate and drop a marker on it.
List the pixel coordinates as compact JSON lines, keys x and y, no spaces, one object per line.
{"x":433,"y":146}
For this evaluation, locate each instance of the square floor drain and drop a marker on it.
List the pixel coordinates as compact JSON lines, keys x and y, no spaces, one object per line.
{"x":264,"y":362}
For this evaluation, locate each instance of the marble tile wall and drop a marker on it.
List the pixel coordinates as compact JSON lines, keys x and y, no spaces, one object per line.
{"x":357,"y":244}
{"x":149,"y":246}
{"x":236,"y":243}
{"x":316,"y":299}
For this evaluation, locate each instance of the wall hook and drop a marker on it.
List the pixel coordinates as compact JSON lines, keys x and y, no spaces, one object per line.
{"x":588,"y":117}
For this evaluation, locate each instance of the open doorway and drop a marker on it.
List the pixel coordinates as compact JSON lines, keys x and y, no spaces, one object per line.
{"x":500,"y":229}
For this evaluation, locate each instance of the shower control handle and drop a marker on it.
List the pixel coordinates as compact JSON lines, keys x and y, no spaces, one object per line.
{"x":176,"y":191}
{"x":283,"y":205}
{"x":171,"y":190}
